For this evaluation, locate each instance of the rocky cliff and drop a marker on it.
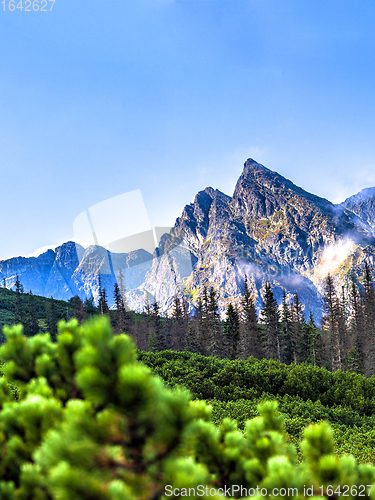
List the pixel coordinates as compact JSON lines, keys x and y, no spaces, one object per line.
{"x":270,"y":230}
{"x":363,"y":205}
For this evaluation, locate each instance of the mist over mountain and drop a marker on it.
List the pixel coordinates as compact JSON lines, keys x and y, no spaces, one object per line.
{"x":270,"y":230}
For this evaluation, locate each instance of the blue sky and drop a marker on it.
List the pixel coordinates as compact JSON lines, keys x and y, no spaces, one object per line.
{"x":101,"y":98}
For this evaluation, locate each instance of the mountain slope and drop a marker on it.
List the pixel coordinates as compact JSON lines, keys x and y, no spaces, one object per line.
{"x":363,"y":205}
{"x":270,"y":230}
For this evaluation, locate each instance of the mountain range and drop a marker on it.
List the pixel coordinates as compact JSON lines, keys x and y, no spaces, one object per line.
{"x":269,"y":230}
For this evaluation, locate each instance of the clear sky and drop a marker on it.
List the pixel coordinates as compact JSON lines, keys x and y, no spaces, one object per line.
{"x":98,"y":98}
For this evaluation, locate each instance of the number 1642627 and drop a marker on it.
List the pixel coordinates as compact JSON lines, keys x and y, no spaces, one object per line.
{"x":28,"y":5}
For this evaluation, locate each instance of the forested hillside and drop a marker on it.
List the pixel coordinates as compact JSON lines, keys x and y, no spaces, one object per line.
{"x":344,"y":340}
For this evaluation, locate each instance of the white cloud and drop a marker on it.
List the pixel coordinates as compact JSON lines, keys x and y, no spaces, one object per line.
{"x":332,"y":258}
{"x":41,"y":250}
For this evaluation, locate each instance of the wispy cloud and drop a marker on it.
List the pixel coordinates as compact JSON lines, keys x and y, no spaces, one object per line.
{"x":333,"y":256}
{"x":41,"y":250}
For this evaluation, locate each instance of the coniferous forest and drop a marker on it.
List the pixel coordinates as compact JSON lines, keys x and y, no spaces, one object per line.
{"x":270,"y":401}
{"x":344,"y":339}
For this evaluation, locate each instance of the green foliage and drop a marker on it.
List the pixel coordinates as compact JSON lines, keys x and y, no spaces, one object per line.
{"x":42,"y":307}
{"x":82,"y":418}
{"x":352,"y":432}
{"x":210,"y":377}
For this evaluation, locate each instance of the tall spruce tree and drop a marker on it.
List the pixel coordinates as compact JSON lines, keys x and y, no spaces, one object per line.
{"x":192,"y":339}
{"x":250,"y":342}
{"x":369,"y":322}
{"x":231,"y":333}
{"x":271,"y":319}
{"x":90,"y":306}
{"x":51,"y":318}
{"x":203,"y":314}
{"x":103,"y":301}
{"x":197,"y":322}
{"x":334,"y":327}
{"x":152,"y":343}
{"x":287,"y":339}
{"x":79,"y":310}
{"x":100,"y":294}
{"x":122,"y":288}
{"x":314,"y":343}
{"x":19,"y":315}
{"x":185,"y":318}
{"x":215,"y":333}
{"x":178,"y":329}
{"x":299,"y":340}
{"x":356,"y":356}
{"x":157,"y":327}
{"x":31,"y":326}
{"x":121,"y":316}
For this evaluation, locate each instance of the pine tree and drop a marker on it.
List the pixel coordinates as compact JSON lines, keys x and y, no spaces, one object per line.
{"x":121,"y":318}
{"x":356,"y":328}
{"x":192,"y":339}
{"x":103,"y":302}
{"x":231,"y":333}
{"x":100,"y":294}
{"x":369,"y":322}
{"x":271,"y":317}
{"x":122,"y":288}
{"x":152,"y":344}
{"x":334,"y":326}
{"x":4,"y":283}
{"x":143,"y":328}
{"x":31,"y":326}
{"x":157,"y":327}
{"x":185,"y":318}
{"x":51,"y":318}
{"x":299,"y":341}
{"x":90,"y":306}
{"x":314,"y":342}
{"x":197,"y":322}
{"x":178,"y":331}
{"x":250,"y":342}
{"x":147,"y":305}
{"x":203,"y":312}
{"x":79,"y":311}
{"x":215,"y":333}
{"x":19,"y":316}
{"x":343,"y":320}
{"x":287,"y":338}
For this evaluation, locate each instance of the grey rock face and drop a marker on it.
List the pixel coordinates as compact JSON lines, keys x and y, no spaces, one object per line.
{"x":71,"y":270}
{"x":362,"y":204}
{"x":270,"y":230}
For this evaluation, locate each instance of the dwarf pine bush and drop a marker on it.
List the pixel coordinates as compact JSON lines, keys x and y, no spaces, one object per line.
{"x":83,"y":419}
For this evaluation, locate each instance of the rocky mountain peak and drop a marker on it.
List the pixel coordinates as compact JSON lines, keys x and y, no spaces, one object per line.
{"x":270,"y":230}
{"x":269,"y":191}
{"x":362,"y":205}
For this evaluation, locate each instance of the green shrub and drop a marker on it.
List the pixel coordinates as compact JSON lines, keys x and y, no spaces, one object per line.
{"x":88,"y":421}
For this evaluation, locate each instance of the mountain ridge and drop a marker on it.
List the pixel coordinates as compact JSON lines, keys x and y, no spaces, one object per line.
{"x":269,"y":230}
